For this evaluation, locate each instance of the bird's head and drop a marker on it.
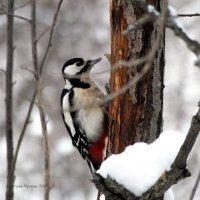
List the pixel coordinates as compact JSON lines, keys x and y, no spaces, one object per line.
{"x":77,"y":66}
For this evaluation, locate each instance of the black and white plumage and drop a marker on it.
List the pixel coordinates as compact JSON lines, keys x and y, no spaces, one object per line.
{"x":83,"y":117}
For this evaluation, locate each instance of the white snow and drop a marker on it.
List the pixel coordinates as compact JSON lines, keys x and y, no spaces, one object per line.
{"x":169,"y":195}
{"x":152,"y":9}
{"x":140,"y":165}
{"x":172,"y":11}
{"x":174,"y":19}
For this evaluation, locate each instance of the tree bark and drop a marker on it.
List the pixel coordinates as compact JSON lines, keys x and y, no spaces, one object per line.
{"x":136,"y":115}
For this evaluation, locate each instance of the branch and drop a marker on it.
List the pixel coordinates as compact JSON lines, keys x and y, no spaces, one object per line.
{"x":189,"y":15}
{"x":33,"y":38}
{"x":2,"y":12}
{"x":195,"y":187}
{"x":180,"y":161}
{"x":23,"y":5}
{"x":193,"y":45}
{"x":43,"y":33}
{"x":178,"y":170}
{"x":20,"y":17}
{"x":21,"y":137}
{"x":40,"y":107}
{"x":46,"y":150}
{"x":164,"y":183}
{"x":39,"y":71}
{"x":51,"y":35}
{"x":9,"y":101}
{"x":111,"y":189}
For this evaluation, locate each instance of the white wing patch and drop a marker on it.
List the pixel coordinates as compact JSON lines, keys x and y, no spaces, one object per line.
{"x":67,"y":116}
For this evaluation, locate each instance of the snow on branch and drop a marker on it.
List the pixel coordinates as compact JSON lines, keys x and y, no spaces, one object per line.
{"x":111,"y":189}
{"x":166,"y":147}
{"x":178,"y":30}
{"x":178,"y":170}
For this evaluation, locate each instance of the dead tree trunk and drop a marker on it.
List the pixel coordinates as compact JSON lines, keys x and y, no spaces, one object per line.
{"x":136,"y":115}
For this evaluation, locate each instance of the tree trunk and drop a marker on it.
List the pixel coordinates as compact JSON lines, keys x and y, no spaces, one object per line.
{"x":136,"y":115}
{"x":9,"y":101}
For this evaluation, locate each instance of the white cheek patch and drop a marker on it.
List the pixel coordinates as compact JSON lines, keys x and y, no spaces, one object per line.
{"x":72,"y":69}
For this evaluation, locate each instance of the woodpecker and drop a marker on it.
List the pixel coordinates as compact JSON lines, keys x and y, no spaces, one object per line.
{"x":83,"y":117}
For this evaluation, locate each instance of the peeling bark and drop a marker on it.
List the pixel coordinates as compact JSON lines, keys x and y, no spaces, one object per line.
{"x":137,"y":114}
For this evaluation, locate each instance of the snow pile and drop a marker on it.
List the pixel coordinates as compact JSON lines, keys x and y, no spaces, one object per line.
{"x":140,"y":165}
{"x":169,"y":195}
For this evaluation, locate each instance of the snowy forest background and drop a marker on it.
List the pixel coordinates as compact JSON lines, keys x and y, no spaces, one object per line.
{"x":83,"y":31}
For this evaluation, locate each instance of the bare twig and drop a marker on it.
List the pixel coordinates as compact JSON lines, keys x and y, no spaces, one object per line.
{"x":33,"y":38}
{"x":194,"y":189}
{"x":46,"y":150}
{"x":20,"y":17}
{"x":43,"y":33}
{"x":40,"y":106}
{"x":189,"y":15}
{"x":38,"y":92}
{"x":16,"y":16}
{"x":180,"y":161}
{"x":9,"y":101}
{"x":2,"y":70}
{"x":51,"y":35}
{"x":23,"y":5}
{"x":193,"y":45}
{"x":23,"y":132}
{"x":29,"y":70}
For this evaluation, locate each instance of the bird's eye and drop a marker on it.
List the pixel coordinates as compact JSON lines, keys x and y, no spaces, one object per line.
{"x":78,"y":64}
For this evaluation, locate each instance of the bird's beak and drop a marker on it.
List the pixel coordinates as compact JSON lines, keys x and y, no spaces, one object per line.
{"x":93,"y":62}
